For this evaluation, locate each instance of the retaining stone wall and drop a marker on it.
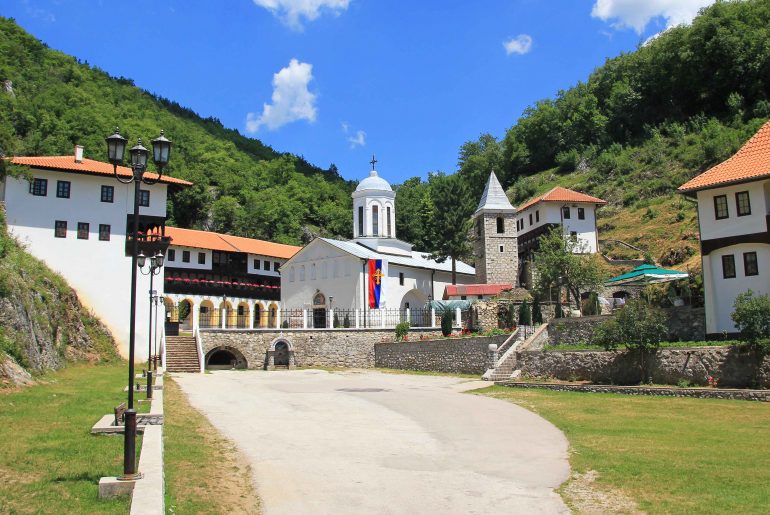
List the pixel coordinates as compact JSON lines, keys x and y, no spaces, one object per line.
{"x":349,"y":348}
{"x":455,"y":355}
{"x":684,"y":324}
{"x":668,"y":366}
{"x":700,"y":393}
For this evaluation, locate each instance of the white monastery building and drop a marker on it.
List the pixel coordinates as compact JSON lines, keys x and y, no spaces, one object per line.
{"x":73,"y":214}
{"x":339,"y":274}
{"x":734,"y":218}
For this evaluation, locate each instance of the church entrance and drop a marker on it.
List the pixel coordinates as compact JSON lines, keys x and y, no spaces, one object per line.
{"x":319,"y":310}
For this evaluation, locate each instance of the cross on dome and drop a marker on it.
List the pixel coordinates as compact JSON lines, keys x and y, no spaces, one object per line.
{"x":373,"y":161}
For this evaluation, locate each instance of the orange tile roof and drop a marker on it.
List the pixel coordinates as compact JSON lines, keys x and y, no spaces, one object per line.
{"x":453,"y":290}
{"x":752,"y":161}
{"x":86,"y":166}
{"x":559,"y":194}
{"x":228,"y":243}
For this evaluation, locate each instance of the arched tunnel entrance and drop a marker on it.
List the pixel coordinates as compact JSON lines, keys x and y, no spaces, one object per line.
{"x":225,"y":358}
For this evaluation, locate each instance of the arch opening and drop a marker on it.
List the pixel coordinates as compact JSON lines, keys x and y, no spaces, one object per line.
{"x":225,"y":358}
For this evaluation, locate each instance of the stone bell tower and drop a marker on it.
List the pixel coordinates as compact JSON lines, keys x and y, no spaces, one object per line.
{"x":495,"y":243}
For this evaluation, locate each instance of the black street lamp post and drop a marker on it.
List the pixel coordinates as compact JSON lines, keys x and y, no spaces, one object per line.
{"x":156,"y":263}
{"x":116,"y":147}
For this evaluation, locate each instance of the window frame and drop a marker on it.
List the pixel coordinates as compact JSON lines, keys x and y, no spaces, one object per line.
{"x":755,"y":270}
{"x":530,"y":219}
{"x":728,"y":258}
{"x":144,"y":198}
{"x":257,"y":264}
{"x":401,"y":278}
{"x":63,"y":189}
{"x":201,"y":258}
{"x":84,"y":229}
{"x":39,"y":187}
{"x":266,"y":265}
{"x":360,"y":220}
{"x":581,"y":213}
{"x":500,"y":225}
{"x":108,"y":194}
{"x":185,"y":256}
{"x":717,"y":198}
{"x":105,"y":231}
{"x":738,"y":196}
{"x":60,"y":228}
{"x":566,"y":213}
{"x":171,"y":255}
{"x":537,"y":216}
{"x":276,"y":266}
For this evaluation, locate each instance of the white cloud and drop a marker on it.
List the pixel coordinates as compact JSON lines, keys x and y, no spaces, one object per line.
{"x":294,"y":12}
{"x":292,"y":100}
{"x":636,"y":14}
{"x":359,"y":140}
{"x":521,"y":44}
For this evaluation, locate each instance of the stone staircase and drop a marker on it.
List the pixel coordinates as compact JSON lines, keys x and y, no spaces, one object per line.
{"x":182,"y":354}
{"x":506,"y":363}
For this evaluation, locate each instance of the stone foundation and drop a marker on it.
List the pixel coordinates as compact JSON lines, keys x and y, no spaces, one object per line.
{"x":732,"y":369}
{"x":450,"y":355}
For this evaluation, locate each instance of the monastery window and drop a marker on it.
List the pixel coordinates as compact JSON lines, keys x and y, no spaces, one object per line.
{"x":108,"y":194}
{"x":276,"y":266}
{"x":104,"y":232}
{"x":171,"y":255}
{"x":537,"y":216}
{"x":267,"y":266}
{"x":401,"y":278}
{"x":530,"y":219}
{"x":291,"y":274}
{"x":257,"y":264}
{"x":312,"y":271}
{"x":565,"y":213}
{"x":60,"y":229}
{"x":82,"y":230}
{"x":302,"y":273}
{"x":581,"y":213}
{"x":39,"y":187}
{"x":360,"y":220}
{"x":750,"y":266}
{"x":185,"y":256}
{"x":728,"y":266}
{"x":720,"y":208}
{"x":201,"y":258}
{"x":743,"y":202}
{"x":144,"y":198}
{"x":500,"y":225}
{"x":502,"y":248}
{"x":390,"y":224}
{"x":63,"y":189}
{"x":376,"y":220}
{"x":463,"y":297}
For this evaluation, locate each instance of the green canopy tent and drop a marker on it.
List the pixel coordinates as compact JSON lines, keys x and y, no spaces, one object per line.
{"x":647,"y":274}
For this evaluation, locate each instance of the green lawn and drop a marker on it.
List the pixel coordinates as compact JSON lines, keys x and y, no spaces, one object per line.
{"x":49,"y":461}
{"x":670,"y":455}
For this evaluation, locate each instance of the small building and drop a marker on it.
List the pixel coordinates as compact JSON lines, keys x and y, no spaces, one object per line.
{"x":474,"y":291}
{"x":75,"y":216}
{"x":573,"y":211}
{"x":226,"y":281}
{"x":734,"y":219}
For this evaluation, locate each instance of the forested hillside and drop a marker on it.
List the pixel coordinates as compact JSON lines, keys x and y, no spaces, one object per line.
{"x":635,"y":130}
{"x":49,"y":101}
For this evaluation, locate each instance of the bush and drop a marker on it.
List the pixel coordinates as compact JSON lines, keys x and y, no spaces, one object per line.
{"x":537,"y":314}
{"x":285,"y":324}
{"x":446,"y":322}
{"x":346,"y":321}
{"x":336,"y":321}
{"x":525,"y":315}
{"x":591,"y":306}
{"x":752,"y":318}
{"x":402,"y":330}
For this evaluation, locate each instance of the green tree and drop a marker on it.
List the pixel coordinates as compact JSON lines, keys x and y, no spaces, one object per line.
{"x":752,"y":318}
{"x":525,"y":314}
{"x":560,"y":263}
{"x":447,"y":318}
{"x":451,"y":221}
{"x":537,"y":313}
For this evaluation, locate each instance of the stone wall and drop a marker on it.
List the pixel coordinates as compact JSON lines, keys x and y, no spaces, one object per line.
{"x":684,"y":324}
{"x":455,"y":355}
{"x":699,"y":393}
{"x":668,"y":366}
{"x":484,"y":313}
{"x":350,"y":348}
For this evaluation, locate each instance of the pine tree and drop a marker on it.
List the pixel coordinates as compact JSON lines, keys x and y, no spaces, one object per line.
{"x":525,"y":315}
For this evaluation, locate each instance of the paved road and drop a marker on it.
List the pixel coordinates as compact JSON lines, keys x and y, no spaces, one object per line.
{"x":371,"y":443}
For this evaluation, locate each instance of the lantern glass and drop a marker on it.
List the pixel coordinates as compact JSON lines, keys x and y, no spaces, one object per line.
{"x":161,"y":149}
{"x":116,"y":148}
{"x":159,"y":258}
{"x":139,"y":156}
{"x":141,"y":259}
{"x":153,"y":265}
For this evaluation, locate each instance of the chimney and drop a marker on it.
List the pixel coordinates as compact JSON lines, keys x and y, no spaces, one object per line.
{"x":78,"y":153}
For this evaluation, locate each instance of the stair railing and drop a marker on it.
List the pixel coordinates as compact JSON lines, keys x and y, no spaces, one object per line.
{"x":199,"y":349}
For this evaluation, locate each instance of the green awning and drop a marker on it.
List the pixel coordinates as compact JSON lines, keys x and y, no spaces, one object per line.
{"x":647,"y":274}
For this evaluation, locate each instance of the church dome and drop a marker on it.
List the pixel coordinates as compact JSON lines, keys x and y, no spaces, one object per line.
{"x":374,"y":182}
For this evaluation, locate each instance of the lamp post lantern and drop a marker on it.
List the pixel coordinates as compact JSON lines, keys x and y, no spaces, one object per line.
{"x":116,"y":147}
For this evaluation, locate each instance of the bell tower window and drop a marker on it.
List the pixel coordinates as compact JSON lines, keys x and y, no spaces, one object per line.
{"x":390,"y":223}
{"x":375,"y":220}
{"x":360,"y":220}
{"x":500,"y":225}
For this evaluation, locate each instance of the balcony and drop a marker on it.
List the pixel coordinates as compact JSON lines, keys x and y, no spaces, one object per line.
{"x":214,"y":288}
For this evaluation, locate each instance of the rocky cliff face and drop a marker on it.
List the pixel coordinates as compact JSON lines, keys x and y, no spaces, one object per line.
{"x":42,"y":323}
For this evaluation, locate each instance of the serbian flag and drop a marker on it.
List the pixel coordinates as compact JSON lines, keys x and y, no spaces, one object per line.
{"x":375,"y":282}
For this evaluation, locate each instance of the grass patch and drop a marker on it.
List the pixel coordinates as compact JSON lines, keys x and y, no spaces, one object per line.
{"x":671,"y":455}
{"x":49,"y":461}
{"x":663,"y":345}
{"x":204,"y":472}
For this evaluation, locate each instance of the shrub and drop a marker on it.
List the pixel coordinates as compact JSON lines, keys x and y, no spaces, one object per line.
{"x":285,"y":324}
{"x":402,"y":329}
{"x":537,"y":314}
{"x":510,"y":317}
{"x":336,"y":321}
{"x":591,"y":307}
{"x":446,"y":322}
{"x":346,"y":321}
{"x":752,"y":318}
{"x":525,"y":314}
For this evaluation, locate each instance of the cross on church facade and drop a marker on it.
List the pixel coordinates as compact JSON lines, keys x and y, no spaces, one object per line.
{"x":373,"y":161}
{"x":378,"y":275}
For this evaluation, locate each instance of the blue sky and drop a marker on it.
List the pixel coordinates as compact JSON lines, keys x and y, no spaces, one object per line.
{"x":338,"y":80}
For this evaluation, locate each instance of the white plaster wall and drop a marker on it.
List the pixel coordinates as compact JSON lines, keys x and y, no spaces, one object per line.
{"x":734,"y":225}
{"x":262,"y":260}
{"x":550,"y":213}
{"x":193,"y":264}
{"x":368,"y":199}
{"x":720,"y":293}
{"x":99,"y":271}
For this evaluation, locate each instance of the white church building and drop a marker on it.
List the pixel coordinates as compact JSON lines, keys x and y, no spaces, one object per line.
{"x":329,"y":273}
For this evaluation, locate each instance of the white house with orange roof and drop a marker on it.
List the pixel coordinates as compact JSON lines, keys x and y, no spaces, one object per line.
{"x":226,"y":281}
{"x":72,"y":214}
{"x":734,"y":221}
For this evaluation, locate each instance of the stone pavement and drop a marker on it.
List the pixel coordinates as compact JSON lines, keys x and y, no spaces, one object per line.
{"x":367,"y":442}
